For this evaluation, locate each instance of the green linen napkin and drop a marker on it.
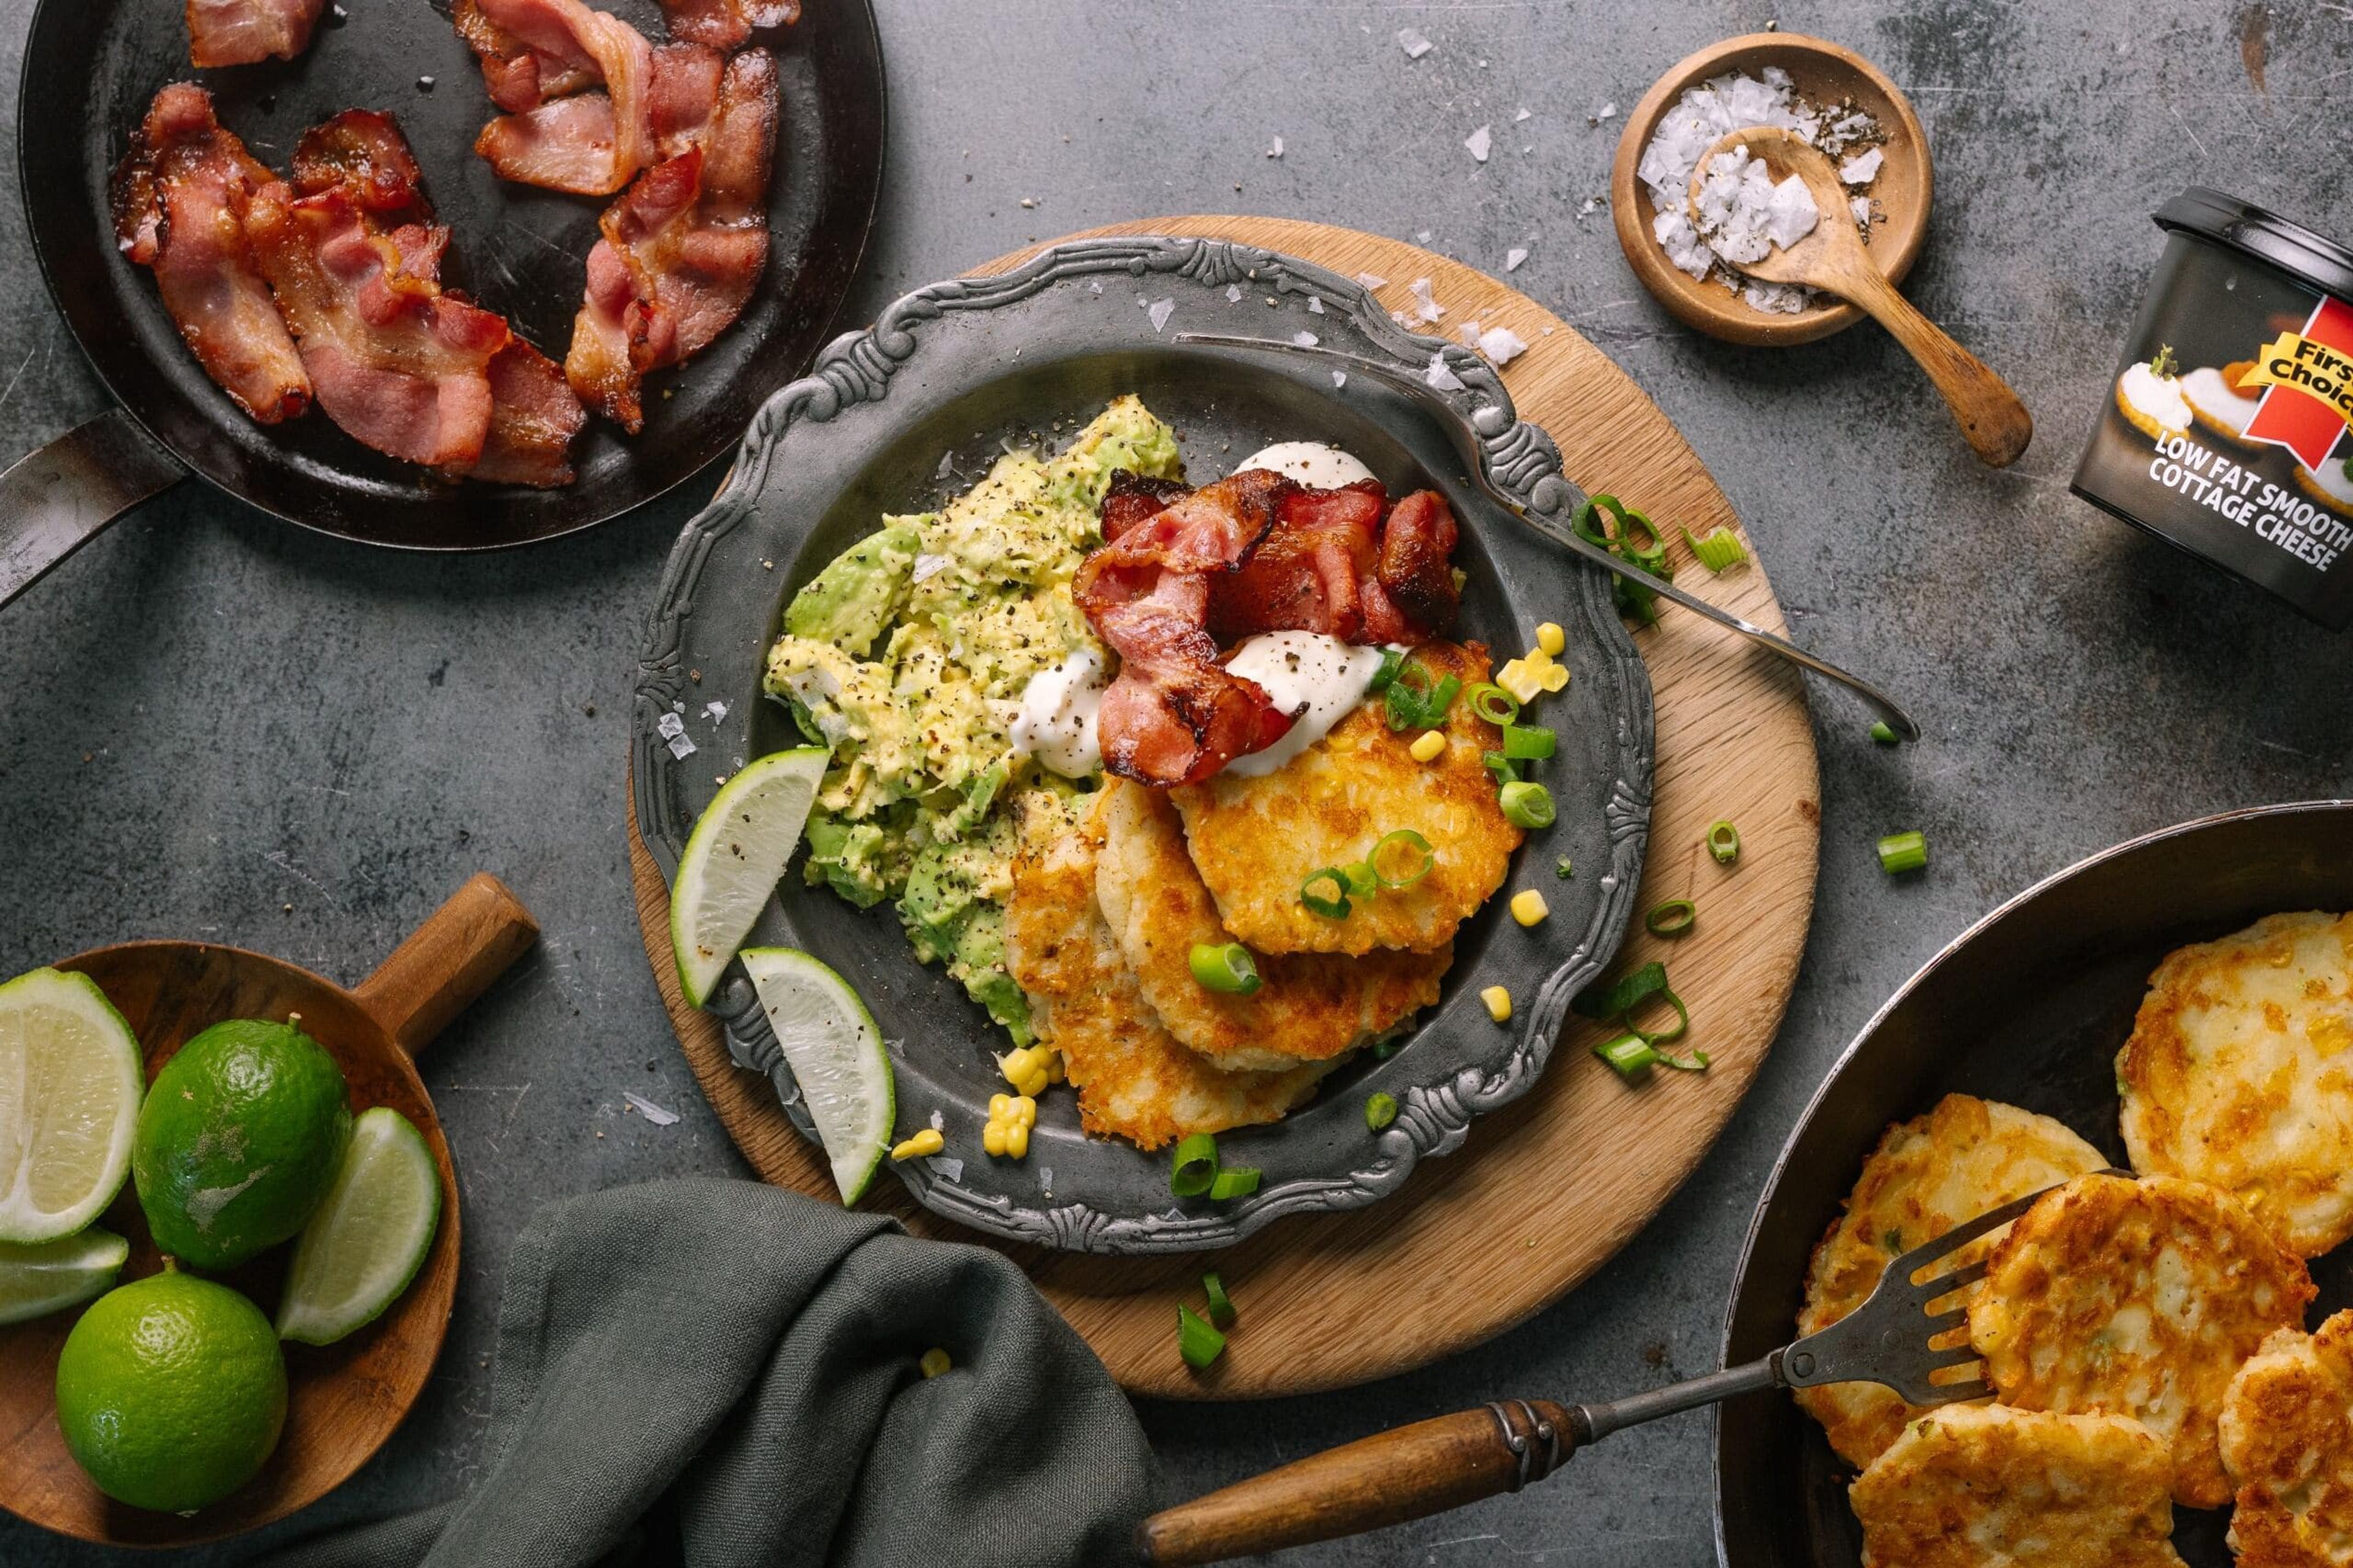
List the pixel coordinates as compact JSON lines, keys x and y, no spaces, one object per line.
{"x":716,"y":1374}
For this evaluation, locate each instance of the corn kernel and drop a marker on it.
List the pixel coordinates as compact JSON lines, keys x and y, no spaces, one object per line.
{"x":927,"y":1142}
{"x":1499,"y":1004}
{"x":1528,"y":907}
{"x":1016,"y":1140}
{"x":1025,"y":1111}
{"x":1055,"y":1072}
{"x":1556,"y":677}
{"x":992,"y":1137}
{"x":1551,"y":639}
{"x":1426,"y":745}
{"x":1033,"y":1085}
{"x":999,"y":1105}
{"x":1522,"y":682}
{"x":935,"y":1362}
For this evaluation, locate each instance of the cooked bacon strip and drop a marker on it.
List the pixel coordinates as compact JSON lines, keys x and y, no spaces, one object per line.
{"x":529,"y":57}
{"x":1414,"y":578}
{"x":681,"y":251}
{"x":1132,"y":498}
{"x":723,"y":24}
{"x":533,"y":417}
{"x":180,"y":199}
{"x":1305,"y":574}
{"x":363,"y":151}
{"x":1174,"y":715}
{"x":241,"y":32}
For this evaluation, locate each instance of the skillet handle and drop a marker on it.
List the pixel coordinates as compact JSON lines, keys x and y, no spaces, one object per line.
{"x":1409,"y":1472}
{"x":55,"y":501}
{"x":447,"y":962}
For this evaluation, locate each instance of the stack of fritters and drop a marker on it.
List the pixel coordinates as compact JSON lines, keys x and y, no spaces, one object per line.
{"x":1101,"y":920}
{"x":2131,"y":1329}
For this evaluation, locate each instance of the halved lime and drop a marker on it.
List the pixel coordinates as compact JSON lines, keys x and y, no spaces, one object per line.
{"x":39,"y":1278}
{"x":69,"y":1085}
{"x":837,"y":1058}
{"x":369,"y":1234}
{"x":733,"y":859}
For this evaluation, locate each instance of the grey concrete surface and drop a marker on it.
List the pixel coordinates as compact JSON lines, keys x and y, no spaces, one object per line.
{"x":213,"y":725}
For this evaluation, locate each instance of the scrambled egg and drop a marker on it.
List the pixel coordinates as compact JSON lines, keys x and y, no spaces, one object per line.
{"x":907,"y":656}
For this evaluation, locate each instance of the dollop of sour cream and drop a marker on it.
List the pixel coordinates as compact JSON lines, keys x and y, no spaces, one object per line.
{"x":1055,"y":722}
{"x":1316,"y":679}
{"x":1313,"y":463}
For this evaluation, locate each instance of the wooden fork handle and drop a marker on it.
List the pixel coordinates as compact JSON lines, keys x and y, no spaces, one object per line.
{"x":447,"y":962}
{"x":1407,"y":1473}
{"x":1991,"y":416}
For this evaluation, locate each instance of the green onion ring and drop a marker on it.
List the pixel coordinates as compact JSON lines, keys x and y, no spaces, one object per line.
{"x":1195,"y":1166}
{"x":1196,"y":1341}
{"x":1380,"y":1110}
{"x":1528,"y":742}
{"x":1672,"y":917}
{"x":1506,"y":769}
{"x":1494,"y":704}
{"x":1411,"y":840}
{"x":1660,"y":1036}
{"x":1222,"y":1306}
{"x":1392,"y":661}
{"x":1526,"y":805}
{"x":1235,"y":1181}
{"x":1335,"y":908}
{"x":1723,"y":841}
{"x":1630,"y":1055}
{"x":1227,"y":968}
{"x":1903,"y":852}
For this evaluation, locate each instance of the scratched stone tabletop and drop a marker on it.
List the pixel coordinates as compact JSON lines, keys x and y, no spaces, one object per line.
{"x":216,"y":726}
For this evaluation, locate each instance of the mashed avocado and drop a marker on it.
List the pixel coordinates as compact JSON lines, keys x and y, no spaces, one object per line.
{"x":926,"y":801}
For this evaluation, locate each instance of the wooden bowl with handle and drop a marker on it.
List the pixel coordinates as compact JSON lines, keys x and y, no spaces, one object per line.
{"x":1825,"y":73}
{"x":345,"y":1399}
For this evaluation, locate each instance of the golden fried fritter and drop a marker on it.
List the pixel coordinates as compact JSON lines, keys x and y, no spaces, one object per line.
{"x":1983,"y":1485}
{"x":2237,"y":1073}
{"x":1927,"y":1176}
{"x":2141,"y":1299}
{"x":2287,"y":1442}
{"x":1256,"y":840}
{"x":1309,"y":1007}
{"x":1133,"y":1080}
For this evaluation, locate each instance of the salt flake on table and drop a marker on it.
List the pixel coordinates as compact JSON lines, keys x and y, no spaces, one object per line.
{"x":1479,"y":141}
{"x":1469,"y":334}
{"x":1160,"y":311}
{"x":1314,"y":304}
{"x":1046,"y":1179}
{"x":1522,"y":114}
{"x":680,"y":747}
{"x":1414,"y":45}
{"x":1422,"y":237}
{"x":1234,"y":293}
{"x":939,"y":1123}
{"x":1512,"y":258}
{"x":1608,"y":111}
{"x":1502,"y":346}
{"x":1863,"y":168}
{"x":1372,"y":280}
{"x":650,"y":1110}
{"x":947,"y":466}
{"x":1339,"y":379}
{"x":1096,"y":287}
{"x":1439,"y":376}
{"x":1276,"y":151}
{"x":670,"y":726}
{"x":1426,"y":303}
{"x":946,"y":1166}
{"x":1304,"y":340}
{"x":715,"y":711}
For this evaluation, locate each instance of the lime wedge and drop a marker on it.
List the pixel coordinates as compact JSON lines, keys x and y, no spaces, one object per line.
{"x":837,"y":1058}
{"x":71,"y":1082}
{"x":39,"y":1278}
{"x":369,"y":1235}
{"x":733,"y":859}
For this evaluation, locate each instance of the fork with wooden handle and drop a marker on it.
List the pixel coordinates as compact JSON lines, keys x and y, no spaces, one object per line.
{"x":1431,"y":1466}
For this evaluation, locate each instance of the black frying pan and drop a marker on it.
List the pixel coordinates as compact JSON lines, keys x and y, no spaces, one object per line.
{"x":92,"y":67}
{"x":2029,"y":1006}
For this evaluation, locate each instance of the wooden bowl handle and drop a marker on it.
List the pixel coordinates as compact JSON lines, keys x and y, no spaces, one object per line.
{"x":1410,"y":1472}
{"x":447,"y":962}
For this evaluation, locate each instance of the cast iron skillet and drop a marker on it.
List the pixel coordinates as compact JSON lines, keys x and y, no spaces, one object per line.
{"x":2029,"y":1006}
{"x":92,"y":67}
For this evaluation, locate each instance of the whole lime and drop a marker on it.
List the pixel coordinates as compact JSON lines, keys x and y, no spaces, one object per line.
{"x":238,"y":1139}
{"x":171,"y":1392}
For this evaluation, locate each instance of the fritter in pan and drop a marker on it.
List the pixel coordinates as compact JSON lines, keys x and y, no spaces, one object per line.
{"x":2287,"y":1442}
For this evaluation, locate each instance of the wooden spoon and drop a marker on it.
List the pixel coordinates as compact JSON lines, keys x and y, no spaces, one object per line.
{"x":345,"y":1399}
{"x":1833,"y":259}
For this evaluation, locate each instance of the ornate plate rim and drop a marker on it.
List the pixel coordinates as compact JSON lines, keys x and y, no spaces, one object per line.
{"x":1433,"y":1116}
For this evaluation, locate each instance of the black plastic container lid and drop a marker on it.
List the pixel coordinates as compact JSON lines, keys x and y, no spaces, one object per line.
{"x":2267,"y":236}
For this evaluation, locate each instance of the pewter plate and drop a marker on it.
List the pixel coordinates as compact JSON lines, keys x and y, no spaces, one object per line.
{"x":2029,"y":1006}
{"x":898,"y":418}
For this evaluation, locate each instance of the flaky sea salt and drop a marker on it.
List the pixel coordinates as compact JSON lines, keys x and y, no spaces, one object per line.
{"x":1426,"y":303}
{"x":650,"y":1110}
{"x":715,"y":711}
{"x":1414,"y":45}
{"x":1315,"y":304}
{"x":1512,"y":258}
{"x":1863,"y":168}
{"x":947,"y":1167}
{"x":1339,"y":379}
{"x":1234,"y":293}
{"x":947,"y":466}
{"x":1440,"y":376}
{"x":928,"y":566}
{"x":1275,"y":149}
{"x":939,"y":1123}
{"x":1502,"y":346}
{"x":1304,"y":340}
{"x":1480,"y":143}
{"x":1372,"y":280}
{"x":1160,"y":311}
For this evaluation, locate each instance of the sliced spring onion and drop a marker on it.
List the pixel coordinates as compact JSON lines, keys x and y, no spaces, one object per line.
{"x":1630,"y":993}
{"x":1391,"y":662}
{"x":1441,"y":698}
{"x":1672,"y":917}
{"x":1634,"y":601}
{"x":1420,"y":859}
{"x":1493,"y":703}
{"x":1195,"y":1166}
{"x":1528,"y":742}
{"x":1719,"y":552}
{"x":1526,"y":805}
{"x":1695,"y":1062}
{"x":1563,"y":870}
{"x":1414,"y":702}
{"x":1630,"y":1054}
{"x":1903,"y":852}
{"x":1196,"y":1341}
{"x":1380,"y":1110}
{"x":1222,"y":1306}
{"x":1337,"y":906}
{"x":1884,"y":733}
{"x":1224,"y":967}
{"x":1723,"y":841}
{"x":1505,"y":770}
{"x":1234,"y":1181}
{"x":1660,"y":1036}
{"x":1358,"y":875}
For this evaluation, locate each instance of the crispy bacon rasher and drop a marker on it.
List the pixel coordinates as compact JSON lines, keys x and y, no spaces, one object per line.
{"x":1174,"y":714}
{"x":180,"y":199}
{"x":725,"y":24}
{"x":681,"y":251}
{"x":241,"y":32}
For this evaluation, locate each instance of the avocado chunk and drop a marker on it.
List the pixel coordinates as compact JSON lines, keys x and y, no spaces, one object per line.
{"x":861,"y":591}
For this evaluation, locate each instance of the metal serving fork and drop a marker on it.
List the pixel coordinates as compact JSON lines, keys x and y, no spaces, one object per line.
{"x":1412,"y":1472}
{"x":1466,"y":444}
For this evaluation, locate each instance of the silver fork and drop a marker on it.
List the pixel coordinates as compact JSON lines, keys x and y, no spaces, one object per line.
{"x":1466,"y":444}
{"x":1412,"y":1472}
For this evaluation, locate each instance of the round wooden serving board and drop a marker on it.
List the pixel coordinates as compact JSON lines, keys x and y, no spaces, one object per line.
{"x":1548,"y":1189}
